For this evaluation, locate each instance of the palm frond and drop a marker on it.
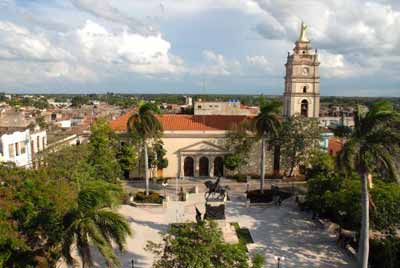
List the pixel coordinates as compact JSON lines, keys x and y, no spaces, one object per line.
{"x":83,"y":246}
{"x":113,"y":226}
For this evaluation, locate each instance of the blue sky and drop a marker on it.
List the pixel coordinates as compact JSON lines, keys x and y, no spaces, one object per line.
{"x":195,"y":46}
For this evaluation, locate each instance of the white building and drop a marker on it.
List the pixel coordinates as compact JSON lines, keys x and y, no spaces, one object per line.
{"x":21,"y":147}
{"x":231,"y":107}
{"x":15,"y":147}
{"x":334,"y":121}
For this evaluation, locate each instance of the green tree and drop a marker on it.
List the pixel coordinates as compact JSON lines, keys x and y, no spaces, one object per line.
{"x":32,"y":206}
{"x":197,"y":245}
{"x":103,"y":150}
{"x":373,"y":144}
{"x":79,"y":100}
{"x":145,"y":126}
{"x":299,"y":139}
{"x":127,"y":158}
{"x":93,"y":223}
{"x":239,"y":142}
{"x":267,"y":125}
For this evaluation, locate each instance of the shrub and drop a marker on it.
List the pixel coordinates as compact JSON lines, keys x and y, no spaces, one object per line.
{"x":256,"y":196}
{"x":153,"y":197}
{"x":385,"y":253}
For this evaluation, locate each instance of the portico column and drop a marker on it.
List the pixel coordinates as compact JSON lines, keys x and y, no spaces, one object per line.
{"x":196,"y":165}
{"x":181,"y":166}
{"x":211,"y":166}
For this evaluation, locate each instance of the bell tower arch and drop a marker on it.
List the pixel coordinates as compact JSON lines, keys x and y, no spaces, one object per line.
{"x":302,"y":82}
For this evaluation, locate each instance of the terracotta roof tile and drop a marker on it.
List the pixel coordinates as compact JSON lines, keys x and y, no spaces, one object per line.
{"x":335,"y":145}
{"x":186,"y":122}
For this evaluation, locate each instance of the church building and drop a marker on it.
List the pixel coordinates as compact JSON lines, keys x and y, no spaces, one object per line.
{"x":195,"y":144}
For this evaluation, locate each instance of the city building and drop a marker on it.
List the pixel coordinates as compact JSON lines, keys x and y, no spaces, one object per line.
{"x":20,"y":139}
{"x":195,"y":144}
{"x":22,"y":146}
{"x":231,"y":107}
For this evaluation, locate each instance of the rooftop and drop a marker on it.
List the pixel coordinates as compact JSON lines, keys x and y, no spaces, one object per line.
{"x":184,"y":122}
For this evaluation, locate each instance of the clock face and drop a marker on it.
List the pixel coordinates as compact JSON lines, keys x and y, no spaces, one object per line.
{"x":306,"y":71}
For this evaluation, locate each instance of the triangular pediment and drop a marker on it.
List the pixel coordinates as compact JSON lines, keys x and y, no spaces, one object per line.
{"x":203,"y":146}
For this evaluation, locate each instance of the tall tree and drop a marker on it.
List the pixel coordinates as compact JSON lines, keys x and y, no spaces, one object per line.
{"x":103,"y":150}
{"x":267,"y":125}
{"x":299,"y":137}
{"x":146,"y":127}
{"x":93,"y":223}
{"x":373,"y":144}
{"x":239,"y":142}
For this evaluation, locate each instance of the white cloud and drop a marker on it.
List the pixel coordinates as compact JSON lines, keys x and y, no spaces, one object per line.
{"x":357,"y":36}
{"x":18,"y":43}
{"x":142,"y":54}
{"x":216,"y":65}
{"x":104,"y":9}
{"x":259,"y":62}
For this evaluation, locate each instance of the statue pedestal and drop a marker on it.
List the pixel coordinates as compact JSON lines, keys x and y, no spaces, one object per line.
{"x":215,"y":210}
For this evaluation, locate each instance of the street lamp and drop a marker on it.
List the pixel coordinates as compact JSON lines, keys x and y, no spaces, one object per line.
{"x":165,"y":184}
{"x":278,"y":260}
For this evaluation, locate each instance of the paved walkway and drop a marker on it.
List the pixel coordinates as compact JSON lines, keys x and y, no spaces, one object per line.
{"x":277,"y":231}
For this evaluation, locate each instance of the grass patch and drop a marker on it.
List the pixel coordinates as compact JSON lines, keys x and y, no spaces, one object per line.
{"x":243,"y":234}
{"x":153,"y":198}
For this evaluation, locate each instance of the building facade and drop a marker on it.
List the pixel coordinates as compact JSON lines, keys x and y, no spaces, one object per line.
{"x":196,"y":145}
{"x":302,"y":82}
{"x":231,"y":107}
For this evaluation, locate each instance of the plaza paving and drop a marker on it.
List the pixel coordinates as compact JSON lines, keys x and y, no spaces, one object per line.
{"x":277,"y":231}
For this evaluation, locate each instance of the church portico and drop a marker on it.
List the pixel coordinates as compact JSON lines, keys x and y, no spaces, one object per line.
{"x":201,"y":164}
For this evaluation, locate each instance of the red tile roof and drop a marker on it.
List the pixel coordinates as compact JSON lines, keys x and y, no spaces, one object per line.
{"x":186,"y":122}
{"x":335,"y":145}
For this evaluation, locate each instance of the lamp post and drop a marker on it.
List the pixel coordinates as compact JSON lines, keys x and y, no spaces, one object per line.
{"x":278,"y":260}
{"x":165,"y":184}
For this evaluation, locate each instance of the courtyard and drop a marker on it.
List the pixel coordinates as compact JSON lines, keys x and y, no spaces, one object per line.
{"x":277,"y":231}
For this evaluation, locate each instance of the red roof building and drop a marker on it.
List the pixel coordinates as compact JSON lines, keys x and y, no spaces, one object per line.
{"x":184,"y":122}
{"x":335,"y":145}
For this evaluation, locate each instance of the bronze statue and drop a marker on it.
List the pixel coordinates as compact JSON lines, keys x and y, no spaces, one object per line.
{"x":215,"y":190}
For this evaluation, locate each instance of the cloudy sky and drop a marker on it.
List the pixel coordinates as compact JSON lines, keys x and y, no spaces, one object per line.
{"x":195,"y":46}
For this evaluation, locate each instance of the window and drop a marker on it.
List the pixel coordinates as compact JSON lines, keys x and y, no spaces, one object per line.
{"x":43,"y":143}
{"x":305,"y":89}
{"x":11,"y":151}
{"x":23,"y":148}
{"x":16,"y":149}
{"x":199,"y":106}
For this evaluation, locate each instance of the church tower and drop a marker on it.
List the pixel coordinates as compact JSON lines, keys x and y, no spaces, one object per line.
{"x":301,"y":95}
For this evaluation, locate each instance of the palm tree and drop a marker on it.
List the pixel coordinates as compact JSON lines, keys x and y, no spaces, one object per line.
{"x":372,"y":146}
{"x":145,"y":125}
{"x":267,"y":125}
{"x":93,"y":223}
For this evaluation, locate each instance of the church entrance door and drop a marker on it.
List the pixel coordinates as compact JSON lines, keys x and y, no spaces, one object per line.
{"x":204,"y":169}
{"x":188,"y":167}
{"x":218,"y":167}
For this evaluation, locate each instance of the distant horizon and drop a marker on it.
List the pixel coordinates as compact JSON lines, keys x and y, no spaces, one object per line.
{"x":179,"y":94}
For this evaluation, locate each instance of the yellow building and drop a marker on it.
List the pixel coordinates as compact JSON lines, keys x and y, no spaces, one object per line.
{"x":195,"y":144}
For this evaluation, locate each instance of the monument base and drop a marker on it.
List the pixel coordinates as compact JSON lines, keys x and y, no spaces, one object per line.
{"x":215,"y":210}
